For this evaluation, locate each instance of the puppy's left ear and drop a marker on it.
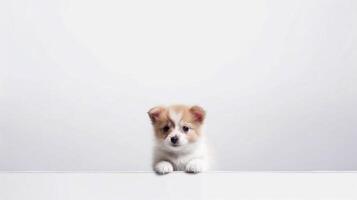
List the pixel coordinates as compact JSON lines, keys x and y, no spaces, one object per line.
{"x":198,"y":113}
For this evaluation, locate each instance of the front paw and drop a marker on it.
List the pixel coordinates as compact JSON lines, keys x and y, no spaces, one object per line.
{"x":163,"y":167}
{"x":195,"y":166}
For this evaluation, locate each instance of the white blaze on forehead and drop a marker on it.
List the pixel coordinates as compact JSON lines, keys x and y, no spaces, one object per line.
{"x":175,"y":117}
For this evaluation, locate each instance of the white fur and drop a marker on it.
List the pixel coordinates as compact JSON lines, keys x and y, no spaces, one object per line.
{"x":195,"y":166}
{"x":189,"y":157}
{"x":176,"y":117}
{"x":163,"y":167}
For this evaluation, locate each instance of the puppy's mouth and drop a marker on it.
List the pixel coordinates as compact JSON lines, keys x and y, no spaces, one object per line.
{"x":175,"y":145}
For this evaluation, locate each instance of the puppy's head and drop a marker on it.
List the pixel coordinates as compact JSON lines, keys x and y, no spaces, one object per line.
{"x":177,"y":126}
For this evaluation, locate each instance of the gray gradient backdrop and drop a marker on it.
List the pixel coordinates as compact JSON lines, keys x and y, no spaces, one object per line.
{"x":277,"y":78}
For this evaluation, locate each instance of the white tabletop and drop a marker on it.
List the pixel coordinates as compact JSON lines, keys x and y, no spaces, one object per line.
{"x":147,"y":185}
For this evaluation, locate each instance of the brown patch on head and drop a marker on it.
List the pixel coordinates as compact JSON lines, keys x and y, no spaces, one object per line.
{"x":160,"y":119}
{"x":163,"y":123}
{"x":194,"y":117}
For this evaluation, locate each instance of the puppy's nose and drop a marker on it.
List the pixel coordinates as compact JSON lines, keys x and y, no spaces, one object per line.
{"x":174,"y":139}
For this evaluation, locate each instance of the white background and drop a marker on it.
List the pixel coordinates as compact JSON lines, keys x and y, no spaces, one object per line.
{"x":278,"y":80}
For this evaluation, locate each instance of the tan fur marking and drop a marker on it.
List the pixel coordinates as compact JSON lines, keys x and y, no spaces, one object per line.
{"x":187,"y":117}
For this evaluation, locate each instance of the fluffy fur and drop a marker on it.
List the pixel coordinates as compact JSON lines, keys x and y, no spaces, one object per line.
{"x":179,"y":141}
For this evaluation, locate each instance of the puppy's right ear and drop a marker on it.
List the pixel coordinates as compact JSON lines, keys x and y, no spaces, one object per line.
{"x":155,"y":113}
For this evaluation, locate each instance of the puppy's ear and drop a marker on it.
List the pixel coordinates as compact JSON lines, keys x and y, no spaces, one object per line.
{"x":198,"y":113}
{"x":155,"y":113}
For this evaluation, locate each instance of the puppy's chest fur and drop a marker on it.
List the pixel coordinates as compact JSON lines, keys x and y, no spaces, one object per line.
{"x":179,"y":160}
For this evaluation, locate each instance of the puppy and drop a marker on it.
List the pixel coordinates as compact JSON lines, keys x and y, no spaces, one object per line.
{"x":179,"y":141}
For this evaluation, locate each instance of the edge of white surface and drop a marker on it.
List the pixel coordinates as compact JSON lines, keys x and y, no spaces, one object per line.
{"x":207,"y":172}
{"x":211,"y":185}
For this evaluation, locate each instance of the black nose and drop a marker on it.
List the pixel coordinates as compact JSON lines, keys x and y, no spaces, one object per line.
{"x":174,"y":139}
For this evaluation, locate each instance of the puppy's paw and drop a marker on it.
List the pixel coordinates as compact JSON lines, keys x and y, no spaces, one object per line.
{"x":195,"y":166}
{"x":163,"y":167}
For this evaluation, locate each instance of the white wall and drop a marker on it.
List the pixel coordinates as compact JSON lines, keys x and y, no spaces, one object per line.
{"x":277,"y":78}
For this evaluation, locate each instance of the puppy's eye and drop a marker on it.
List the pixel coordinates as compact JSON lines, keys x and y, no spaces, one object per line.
{"x":166,"y":129}
{"x":185,"y":129}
